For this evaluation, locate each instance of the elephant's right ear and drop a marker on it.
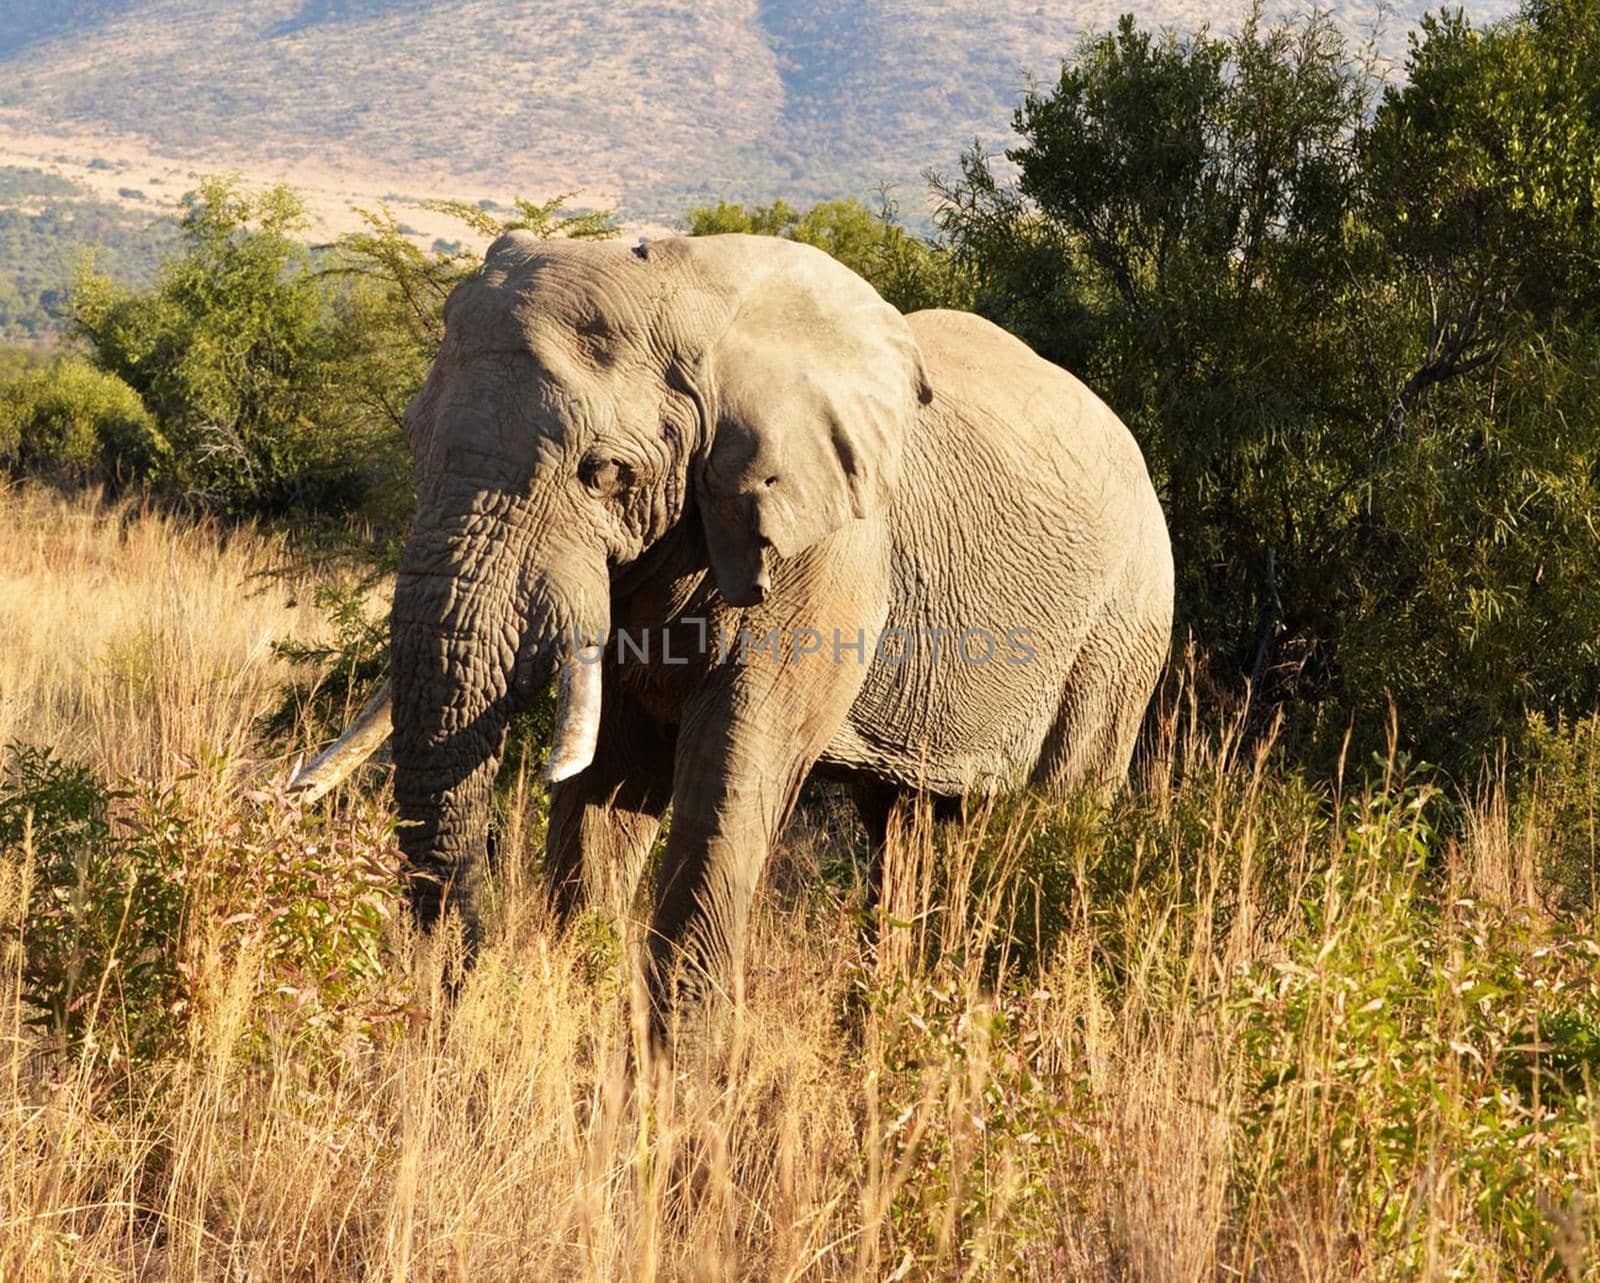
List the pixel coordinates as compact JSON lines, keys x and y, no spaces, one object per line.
{"x":814,"y":385}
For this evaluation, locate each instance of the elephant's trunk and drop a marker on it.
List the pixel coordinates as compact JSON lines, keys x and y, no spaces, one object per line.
{"x":474,"y":635}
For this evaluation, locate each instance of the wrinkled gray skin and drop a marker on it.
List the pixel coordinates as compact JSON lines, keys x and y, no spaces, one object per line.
{"x":739,"y":430}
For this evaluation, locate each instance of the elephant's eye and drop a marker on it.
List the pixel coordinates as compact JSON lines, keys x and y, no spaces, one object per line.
{"x":604,"y":476}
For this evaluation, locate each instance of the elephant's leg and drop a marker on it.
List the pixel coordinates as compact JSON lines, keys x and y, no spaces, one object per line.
{"x":1102,"y":708}
{"x":748,"y":739}
{"x":730,"y":799}
{"x":604,"y":820}
{"x":875,"y":803}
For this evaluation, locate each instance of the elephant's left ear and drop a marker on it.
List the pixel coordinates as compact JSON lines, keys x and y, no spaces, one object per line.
{"x":815,"y":384}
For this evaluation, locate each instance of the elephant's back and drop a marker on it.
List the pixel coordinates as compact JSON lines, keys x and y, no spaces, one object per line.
{"x":1023,"y":506}
{"x":1033,"y":411}
{"x":1026,"y":448}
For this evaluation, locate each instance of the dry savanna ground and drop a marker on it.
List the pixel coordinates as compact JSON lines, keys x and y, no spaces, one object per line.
{"x":1237,"y":1025}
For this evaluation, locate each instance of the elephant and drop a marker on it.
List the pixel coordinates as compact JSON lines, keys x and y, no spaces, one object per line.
{"x":761,"y":526}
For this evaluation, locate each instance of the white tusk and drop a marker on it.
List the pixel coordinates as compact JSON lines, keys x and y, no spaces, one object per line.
{"x":359,"y":742}
{"x":577,"y":715}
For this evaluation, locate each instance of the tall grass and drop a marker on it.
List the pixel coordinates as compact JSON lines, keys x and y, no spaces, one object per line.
{"x":1234,"y":1025}
{"x":135,"y":641}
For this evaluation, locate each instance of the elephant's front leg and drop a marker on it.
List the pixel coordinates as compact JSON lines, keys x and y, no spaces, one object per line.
{"x":748,"y":738}
{"x":604,"y":820}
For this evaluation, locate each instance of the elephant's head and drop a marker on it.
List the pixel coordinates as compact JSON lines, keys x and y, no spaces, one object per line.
{"x":587,"y":399}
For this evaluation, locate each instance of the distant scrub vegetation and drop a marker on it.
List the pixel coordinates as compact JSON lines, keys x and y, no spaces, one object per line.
{"x":46,"y":231}
{"x":1353,"y":327}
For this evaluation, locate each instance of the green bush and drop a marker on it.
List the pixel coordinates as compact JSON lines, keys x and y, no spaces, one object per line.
{"x":231,"y":354}
{"x":148,"y":904}
{"x":102,"y":917}
{"x":1557,"y":786}
{"x":71,"y":422}
{"x":1408,"y":1029}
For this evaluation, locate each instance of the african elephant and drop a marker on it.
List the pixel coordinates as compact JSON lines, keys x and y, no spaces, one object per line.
{"x":763,"y":525}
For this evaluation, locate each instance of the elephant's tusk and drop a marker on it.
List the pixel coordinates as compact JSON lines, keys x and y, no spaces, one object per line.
{"x":577,"y":715}
{"x":359,"y":742}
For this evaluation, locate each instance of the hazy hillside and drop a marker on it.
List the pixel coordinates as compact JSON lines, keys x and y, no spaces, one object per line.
{"x":48,"y":225}
{"x":657,"y":102}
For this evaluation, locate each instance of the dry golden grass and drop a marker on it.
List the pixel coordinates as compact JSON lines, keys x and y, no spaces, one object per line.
{"x":1102,"y":1093}
{"x":134,"y":641}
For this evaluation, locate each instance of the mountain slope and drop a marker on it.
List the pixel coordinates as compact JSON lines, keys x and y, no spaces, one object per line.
{"x":656,"y":103}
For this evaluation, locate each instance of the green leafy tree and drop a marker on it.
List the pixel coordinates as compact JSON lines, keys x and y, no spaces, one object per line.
{"x":1356,"y":344}
{"x":1484,"y":172}
{"x":231,"y":355}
